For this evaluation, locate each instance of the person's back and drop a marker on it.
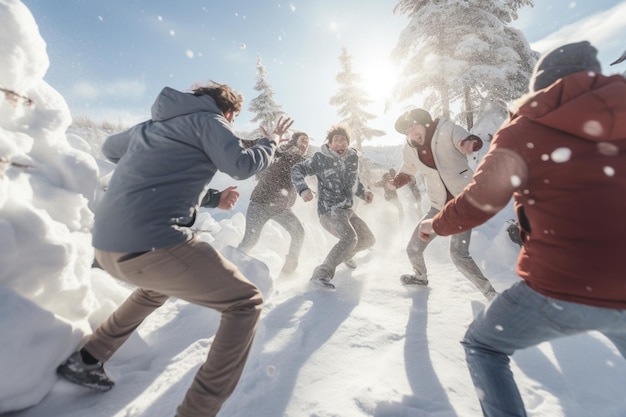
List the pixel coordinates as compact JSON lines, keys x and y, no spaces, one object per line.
{"x":169,"y":162}
{"x":572,"y":205}
{"x":561,"y":156}
{"x":140,"y":237}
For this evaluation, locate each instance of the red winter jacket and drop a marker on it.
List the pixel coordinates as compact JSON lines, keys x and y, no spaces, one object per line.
{"x":562,"y":156}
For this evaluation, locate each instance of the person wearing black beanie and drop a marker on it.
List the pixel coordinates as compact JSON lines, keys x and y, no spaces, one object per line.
{"x":564,"y":60}
{"x":437,"y":150}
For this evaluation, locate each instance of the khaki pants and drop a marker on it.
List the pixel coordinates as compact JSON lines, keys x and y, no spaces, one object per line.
{"x":195,"y":272}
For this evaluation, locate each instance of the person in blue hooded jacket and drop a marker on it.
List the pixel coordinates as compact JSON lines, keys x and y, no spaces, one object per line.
{"x":141,"y":236}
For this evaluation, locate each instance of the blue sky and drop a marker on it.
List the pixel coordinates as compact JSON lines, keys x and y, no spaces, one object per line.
{"x":110,"y":59}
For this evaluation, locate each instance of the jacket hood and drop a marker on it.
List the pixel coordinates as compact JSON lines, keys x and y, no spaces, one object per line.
{"x":172,"y":103}
{"x":585,"y":104}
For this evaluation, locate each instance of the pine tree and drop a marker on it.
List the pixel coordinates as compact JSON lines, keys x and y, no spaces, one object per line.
{"x":351,"y":99}
{"x":459,"y":52}
{"x":266,"y":110}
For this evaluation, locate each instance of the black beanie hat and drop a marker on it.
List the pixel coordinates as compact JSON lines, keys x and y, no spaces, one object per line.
{"x":562,"y":61}
{"x":412,"y":117}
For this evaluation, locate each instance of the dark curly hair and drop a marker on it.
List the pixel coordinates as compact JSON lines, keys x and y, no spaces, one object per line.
{"x":225,"y":97}
{"x":340,"y":129}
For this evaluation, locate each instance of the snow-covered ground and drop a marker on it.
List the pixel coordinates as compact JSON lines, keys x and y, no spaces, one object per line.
{"x":371,"y":348}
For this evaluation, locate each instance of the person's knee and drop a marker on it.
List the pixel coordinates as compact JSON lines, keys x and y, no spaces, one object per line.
{"x":350,"y":239}
{"x":460,"y":258}
{"x":412,"y":251}
{"x":249,"y":298}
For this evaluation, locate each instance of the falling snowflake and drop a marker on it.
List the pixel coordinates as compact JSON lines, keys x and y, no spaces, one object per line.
{"x":561,"y":155}
{"x":515,"y":181}
{"x":607,"y":149}
{"x":593,"y":128}
{"x":189,"y":54}
{"x":242,"y":46}
{"x":609,"y":171}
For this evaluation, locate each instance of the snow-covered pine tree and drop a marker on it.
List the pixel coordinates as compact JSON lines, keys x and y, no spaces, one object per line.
{"x":266,"y":110}
{"x":351,"y":99}
{"x":462,"y":53}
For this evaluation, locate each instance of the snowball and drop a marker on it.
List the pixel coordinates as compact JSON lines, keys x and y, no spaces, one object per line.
{"x":593,"y":128}
{"x":561,"y":155}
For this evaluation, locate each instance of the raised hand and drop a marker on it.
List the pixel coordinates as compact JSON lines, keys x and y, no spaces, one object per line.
{"x":281,"y":127}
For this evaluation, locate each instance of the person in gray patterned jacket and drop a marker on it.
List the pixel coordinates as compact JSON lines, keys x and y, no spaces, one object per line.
{"x":336,"y":167}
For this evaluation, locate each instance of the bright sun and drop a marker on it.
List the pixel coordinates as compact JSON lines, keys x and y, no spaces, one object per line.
{"x":378,"y":76}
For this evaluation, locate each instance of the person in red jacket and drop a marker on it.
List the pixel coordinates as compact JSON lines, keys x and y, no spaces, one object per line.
{"x":561,"y":156}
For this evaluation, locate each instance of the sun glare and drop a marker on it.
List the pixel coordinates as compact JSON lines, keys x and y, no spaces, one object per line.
{"x":378,"y":76}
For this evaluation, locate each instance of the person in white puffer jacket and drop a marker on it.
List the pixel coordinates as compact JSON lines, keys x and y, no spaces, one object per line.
{"x":438,"y":150}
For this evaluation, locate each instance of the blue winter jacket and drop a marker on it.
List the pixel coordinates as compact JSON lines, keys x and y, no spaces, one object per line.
{"x":164,"y":174}
{"x":337,"y":178}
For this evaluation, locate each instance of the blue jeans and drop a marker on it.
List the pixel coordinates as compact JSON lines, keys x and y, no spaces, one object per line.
{"x":520,"y":318}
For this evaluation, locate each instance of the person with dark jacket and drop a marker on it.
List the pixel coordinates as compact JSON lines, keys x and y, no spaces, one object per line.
{"x":438,"y":149}
{"x":336,"y":167}
{"x":116,"y":146}
{"x":140,"y":236}
{"x":390,"y":191}
{"x":273,"y":199}
{"x":561,"y":155}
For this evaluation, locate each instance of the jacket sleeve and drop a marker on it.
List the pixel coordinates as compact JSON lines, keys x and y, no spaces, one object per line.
{"x":300,"y":171}
{"x":408,"y":164}
{"x":459,"y":135}
{"x":115,"y":146}
{"x":497,"y":177}
{"x":228,"y":154}
{"x":212,"y":198}
{"x":361,"y":189}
